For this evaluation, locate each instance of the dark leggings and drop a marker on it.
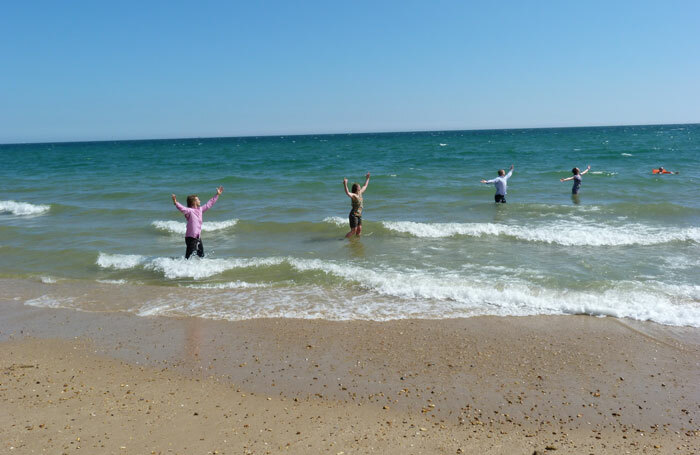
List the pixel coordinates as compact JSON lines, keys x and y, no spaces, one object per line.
{"x":194,"y":244}
{"x":500,"y":198}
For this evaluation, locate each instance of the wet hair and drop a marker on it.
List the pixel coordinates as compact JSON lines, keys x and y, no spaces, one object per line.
{"x":576,"y":171}
{"x":190,"y":200}
{"x":355,"y":188}
{"x":501,"y":172}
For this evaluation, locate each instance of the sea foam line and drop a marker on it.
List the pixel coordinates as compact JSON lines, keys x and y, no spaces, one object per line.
{"x":177,"y":227}
{"x":174,"y":268}
{"x":569,"y":234}
{"x":424,"y":294}
{"x":659,"y":302}
{"x":23,"y":208}
{"x":397,"y":294}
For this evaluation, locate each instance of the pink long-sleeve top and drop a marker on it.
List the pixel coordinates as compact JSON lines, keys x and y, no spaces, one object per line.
{"x":194,"y":216}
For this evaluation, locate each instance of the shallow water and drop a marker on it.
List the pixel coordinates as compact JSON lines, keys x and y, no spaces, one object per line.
{"x":434,"y":245}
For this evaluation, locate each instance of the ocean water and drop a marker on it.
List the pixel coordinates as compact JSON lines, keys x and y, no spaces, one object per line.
{"x":91,"y":226}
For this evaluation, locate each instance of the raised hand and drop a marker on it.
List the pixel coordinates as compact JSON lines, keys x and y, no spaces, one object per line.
{"x":219,"y":190}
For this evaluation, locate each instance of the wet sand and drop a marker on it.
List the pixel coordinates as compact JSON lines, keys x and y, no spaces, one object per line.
{"x":76,"y":382}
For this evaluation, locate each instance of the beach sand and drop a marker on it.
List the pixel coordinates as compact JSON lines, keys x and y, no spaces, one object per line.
{"x":78,"y":382}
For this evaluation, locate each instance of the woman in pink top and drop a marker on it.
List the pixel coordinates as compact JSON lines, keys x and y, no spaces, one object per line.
{"x":193,"y":213}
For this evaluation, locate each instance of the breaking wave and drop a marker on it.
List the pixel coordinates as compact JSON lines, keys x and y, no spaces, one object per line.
{"x":177,"y":227}
{"x":23,"y":208}
{"x":397,"y":294}
{"x":565,"y":233}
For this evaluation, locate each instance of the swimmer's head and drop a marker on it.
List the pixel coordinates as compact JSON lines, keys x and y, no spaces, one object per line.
{"x":501,"y":172}
{"x":576,"y":171}
{"x":192,"y":201}
{"x":661,"y":168}
{"x":355,"y":188}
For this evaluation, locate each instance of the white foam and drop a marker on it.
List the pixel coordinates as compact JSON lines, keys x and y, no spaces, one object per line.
{"x":379,"y":292}
{"x":23,"y":208}
{"x":48,"y":301}
{"x":112,"y":281}
{"x":48,"y":280}
{"x":681,"y":262}
{"x":338,"y":221}
{"x":230,"y":285}
{"x":197,"y":269}
{"x":119,"y":261}
{"x":562,"y":233}
{"x":443,"y":145}
{"x":626,"y":154}
{"x":458,"y":296}
{"x":177,"y":227}
{"x":395,"y":294}
{"x":173,"y":268}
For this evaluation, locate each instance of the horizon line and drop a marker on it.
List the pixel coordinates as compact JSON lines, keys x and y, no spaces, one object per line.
{"x":343,"y":133}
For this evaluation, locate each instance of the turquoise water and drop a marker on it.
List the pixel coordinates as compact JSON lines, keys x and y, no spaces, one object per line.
{"x":434,"y":244}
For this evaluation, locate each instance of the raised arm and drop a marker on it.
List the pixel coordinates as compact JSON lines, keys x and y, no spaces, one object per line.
{"x":587,"y":169}
{"x":213,"y":200}
{"x":510,"y":172}
{"x":180,"y":207}
{"x":345,"y":185}
{"x":364,"y":187}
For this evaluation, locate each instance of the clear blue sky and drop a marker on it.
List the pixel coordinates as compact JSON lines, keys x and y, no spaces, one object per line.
{"x":122,"y":70}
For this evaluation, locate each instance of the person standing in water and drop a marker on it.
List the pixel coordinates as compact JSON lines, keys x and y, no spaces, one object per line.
{"x":576,"y":178}
{"x":501,"y":183}
{"x":193,"y":213}
{"x":356,"y":211}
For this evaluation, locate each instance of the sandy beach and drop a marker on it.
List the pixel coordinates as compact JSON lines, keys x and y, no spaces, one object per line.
{"x":77,"y":382}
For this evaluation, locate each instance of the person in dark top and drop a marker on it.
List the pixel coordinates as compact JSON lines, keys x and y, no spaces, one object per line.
{"x":576,"y":178}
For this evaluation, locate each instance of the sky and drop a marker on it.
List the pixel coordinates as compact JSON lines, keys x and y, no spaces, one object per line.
{"x":74,"y":71}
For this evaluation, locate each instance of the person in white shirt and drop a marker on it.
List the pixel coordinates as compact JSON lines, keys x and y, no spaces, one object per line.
{"x":501,"y":183}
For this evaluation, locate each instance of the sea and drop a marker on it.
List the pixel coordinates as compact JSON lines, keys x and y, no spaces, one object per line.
{"x":91,"y":225}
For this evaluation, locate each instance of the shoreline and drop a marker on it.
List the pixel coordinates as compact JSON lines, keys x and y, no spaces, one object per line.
{"x":486,"y":384}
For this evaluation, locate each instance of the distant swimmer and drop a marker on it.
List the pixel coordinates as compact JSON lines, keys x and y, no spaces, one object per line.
{"x":193,"y":213}
{"x":661,"y":170}
{"x":501,"y":183}
{"x":576,"y":178}
{"x":357,"y":203}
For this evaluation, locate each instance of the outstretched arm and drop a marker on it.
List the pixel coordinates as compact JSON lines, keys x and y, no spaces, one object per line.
{"x":364,"y":187}
{"x":213,"y":200}
{"x":510,"y":172}
{"x":487,"y":181}
{"x":566,"y":179}
{"x":587,"y":169}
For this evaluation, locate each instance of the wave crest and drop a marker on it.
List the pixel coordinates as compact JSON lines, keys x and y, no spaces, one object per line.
{"x":338,"y":221}
{"x":568,"y":234}
{"x":177,"y":227}
{"x":23,"y":208}
{"x":119,"y":261}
